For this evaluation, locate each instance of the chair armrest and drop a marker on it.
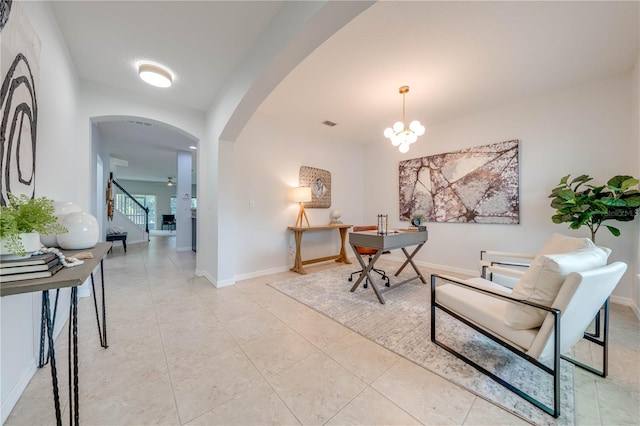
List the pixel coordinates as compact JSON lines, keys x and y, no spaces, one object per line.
{"x":490,"y":291}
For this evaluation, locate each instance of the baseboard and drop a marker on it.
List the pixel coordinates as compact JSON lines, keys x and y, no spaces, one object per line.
{"x":14,"y":395}
{"x":212,"y":280}
{"x":262,"y":273}
{"x":462,"y":271}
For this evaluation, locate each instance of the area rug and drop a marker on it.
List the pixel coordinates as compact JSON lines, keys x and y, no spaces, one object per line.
{"x":402,"y":325}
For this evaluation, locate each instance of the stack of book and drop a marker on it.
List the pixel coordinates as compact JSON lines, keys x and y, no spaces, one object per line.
{"x":37,"y":266}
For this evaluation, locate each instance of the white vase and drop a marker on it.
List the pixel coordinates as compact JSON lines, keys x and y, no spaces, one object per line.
{"x":83,"y":231}
{"x":30,"y":242}
{"x":61,"y":210}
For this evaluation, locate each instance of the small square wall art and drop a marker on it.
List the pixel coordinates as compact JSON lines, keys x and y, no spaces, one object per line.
{"x":320,"y":183}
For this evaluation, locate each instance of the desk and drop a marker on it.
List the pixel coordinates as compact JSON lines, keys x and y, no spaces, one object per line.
{"x":67,"y":277}
{"x":341,"y":257}
{"x":391,"y":241}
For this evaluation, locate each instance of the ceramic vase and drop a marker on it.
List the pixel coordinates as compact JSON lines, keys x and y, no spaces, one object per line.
{"x":83,"y":231}
{"x":61,"y":210}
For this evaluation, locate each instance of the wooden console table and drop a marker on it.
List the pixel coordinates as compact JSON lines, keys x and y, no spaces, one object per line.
{"x":341,"y":257}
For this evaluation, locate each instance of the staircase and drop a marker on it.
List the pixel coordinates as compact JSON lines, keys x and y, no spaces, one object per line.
{"x":130,"y":214}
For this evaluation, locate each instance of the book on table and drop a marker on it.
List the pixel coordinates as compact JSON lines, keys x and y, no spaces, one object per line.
{"x":54,"y":267}
{"x":18,"y":269}
{"x":38,"y":259}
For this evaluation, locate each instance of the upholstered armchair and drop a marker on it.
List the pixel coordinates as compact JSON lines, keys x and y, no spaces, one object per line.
{"x":556,"y":296}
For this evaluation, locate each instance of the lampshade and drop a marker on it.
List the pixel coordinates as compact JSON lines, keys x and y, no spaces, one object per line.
{"x":301,"y":194}
{"x":155,"y":75}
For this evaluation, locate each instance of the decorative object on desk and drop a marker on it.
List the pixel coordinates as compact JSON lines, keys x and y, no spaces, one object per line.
{"x":22,"y":221}
{"x":60,"y":210}
{"x":418,"y":218}
{"x":617,"y":200}
{"x":301,"y":195}
{"x":83,"y":231}
{"x":476,"y":185}
{"x":19,"y":76}
{"x":335,"y":217}
{"x":320,"y":183}
{"x":54,"y":267}
{"x":400,"y":134}
{"x":383,"y":224}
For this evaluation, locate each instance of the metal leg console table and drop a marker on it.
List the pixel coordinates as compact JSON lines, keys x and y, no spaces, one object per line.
{"x":72,"y":278}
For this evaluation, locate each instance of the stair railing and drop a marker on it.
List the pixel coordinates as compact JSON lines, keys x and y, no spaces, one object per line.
{"x":130,"y":207}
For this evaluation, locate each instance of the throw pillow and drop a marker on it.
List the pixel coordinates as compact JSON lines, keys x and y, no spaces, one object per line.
{"x":559,"y":243}
{"x":542,"y":280}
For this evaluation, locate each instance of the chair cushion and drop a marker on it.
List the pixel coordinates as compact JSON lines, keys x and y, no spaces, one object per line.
{"x":559,"y":243}
{"x":542,"y":280}
{"x":485,"y":311}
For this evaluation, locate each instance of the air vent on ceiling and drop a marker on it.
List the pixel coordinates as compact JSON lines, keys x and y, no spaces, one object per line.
{"x":139,"y":123}
{"x":329,"y":123}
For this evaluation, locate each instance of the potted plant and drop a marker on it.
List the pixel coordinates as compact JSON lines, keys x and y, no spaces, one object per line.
{"x":581,"y":204}
{"x":22,"y":221}
{"x":418,"y":218}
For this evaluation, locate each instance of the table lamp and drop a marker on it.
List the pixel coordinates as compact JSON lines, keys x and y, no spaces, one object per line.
{"x":301,"y":194}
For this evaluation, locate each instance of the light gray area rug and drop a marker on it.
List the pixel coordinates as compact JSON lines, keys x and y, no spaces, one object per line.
{"x":402,"y":325}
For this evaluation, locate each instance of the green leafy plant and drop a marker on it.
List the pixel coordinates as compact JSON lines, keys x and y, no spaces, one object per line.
{"x":418,"y":217}
{"x":23,"y":215}
{"x":580,"y":204}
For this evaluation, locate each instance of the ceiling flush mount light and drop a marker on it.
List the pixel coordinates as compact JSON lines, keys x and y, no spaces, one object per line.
{"x":155,"y":75}
{"x":170,"y":181}
{"x":400,"y":134}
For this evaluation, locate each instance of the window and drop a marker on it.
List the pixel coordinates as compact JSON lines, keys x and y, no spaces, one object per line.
{"x":132,"y":210}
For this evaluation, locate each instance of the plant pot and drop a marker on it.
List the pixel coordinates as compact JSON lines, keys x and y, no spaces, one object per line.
{"x":30,"y":242}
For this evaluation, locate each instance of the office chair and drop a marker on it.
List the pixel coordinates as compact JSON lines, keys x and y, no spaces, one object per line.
{"x":366,"y":251}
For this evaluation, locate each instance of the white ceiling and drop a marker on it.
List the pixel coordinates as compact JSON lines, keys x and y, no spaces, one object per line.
{"x":457,"y":57}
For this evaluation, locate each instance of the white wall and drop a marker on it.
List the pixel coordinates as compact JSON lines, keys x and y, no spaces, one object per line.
{"x":267,"y":160}
{"x":580,"y":130}
{"x":57,"y":141}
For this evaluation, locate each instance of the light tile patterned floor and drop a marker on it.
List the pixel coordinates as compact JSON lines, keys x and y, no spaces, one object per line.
{"x":183,"y":352}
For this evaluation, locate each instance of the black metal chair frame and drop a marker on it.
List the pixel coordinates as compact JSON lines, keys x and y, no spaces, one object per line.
{"x":554,"y":371}
{"x":382,"y":273}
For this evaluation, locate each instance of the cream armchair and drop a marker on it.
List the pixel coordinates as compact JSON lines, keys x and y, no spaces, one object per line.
{"x":552,"y":304}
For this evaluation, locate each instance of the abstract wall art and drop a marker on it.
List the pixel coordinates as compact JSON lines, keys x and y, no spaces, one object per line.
{"x":320,"y":182}
{"x":19,"y":70}
{"x":477,"y":185}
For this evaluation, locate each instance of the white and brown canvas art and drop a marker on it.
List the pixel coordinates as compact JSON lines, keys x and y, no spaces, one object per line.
{"x":19,"y":70}
{"x":477,"y":185}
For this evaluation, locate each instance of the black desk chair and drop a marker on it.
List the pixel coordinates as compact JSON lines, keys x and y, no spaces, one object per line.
{"x":169,"y":220}
{"x":366,"y":251}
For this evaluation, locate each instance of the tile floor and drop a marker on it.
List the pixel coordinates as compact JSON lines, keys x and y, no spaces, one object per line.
{"x":183,"y":352}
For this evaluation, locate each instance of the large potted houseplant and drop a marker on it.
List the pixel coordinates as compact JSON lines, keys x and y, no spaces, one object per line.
{"x":22,"y":221}
{"x":581,"y":204}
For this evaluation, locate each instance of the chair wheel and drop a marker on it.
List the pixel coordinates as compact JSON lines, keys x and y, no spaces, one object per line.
{"x":366,"y":285}
{"x":350,"y":279}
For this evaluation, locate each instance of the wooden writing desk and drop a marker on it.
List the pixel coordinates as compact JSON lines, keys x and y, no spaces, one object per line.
{"x":66,"y":277}
{"x":341,"y":257}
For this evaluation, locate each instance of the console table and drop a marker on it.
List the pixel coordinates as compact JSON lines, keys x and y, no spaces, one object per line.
{"x":340,"y":257}
{"x":66,"y":277}
{"x":391,"y":241}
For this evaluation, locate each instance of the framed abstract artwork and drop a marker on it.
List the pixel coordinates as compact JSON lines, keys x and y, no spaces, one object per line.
{"x":475,"y":185}
{"x":320,"y":183}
